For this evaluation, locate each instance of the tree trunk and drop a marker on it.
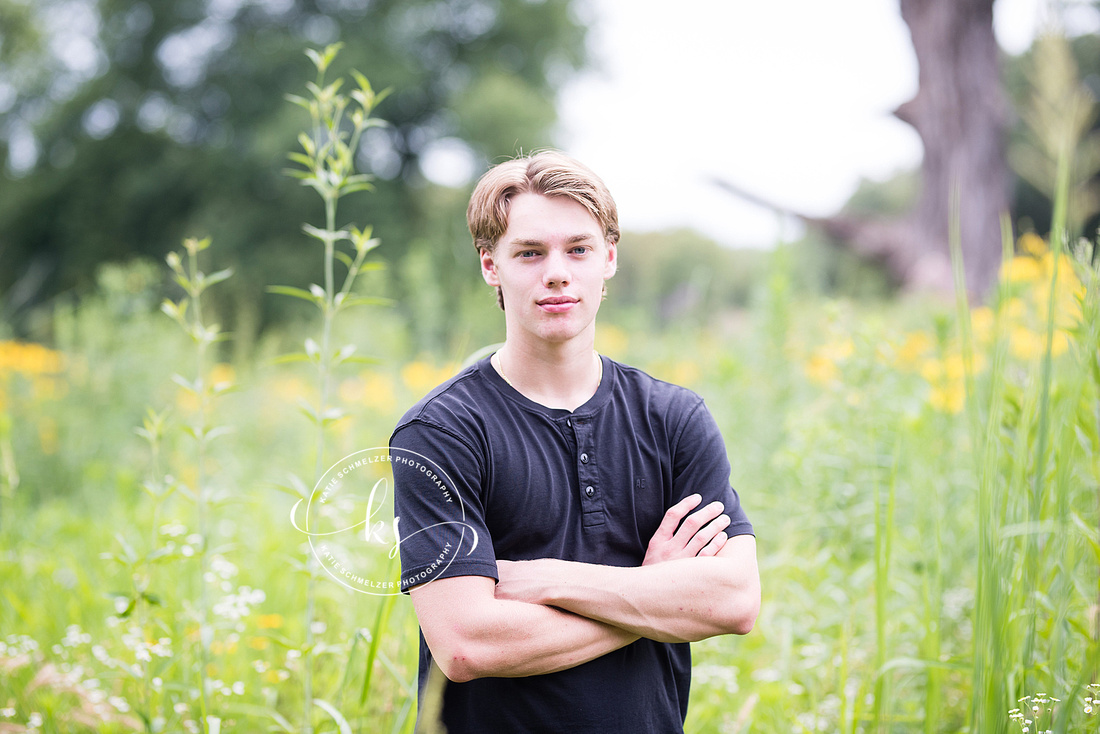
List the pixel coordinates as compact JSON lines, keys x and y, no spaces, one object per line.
{"x":961,"y":115}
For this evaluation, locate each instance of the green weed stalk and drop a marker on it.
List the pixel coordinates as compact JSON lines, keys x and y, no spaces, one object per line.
{"x":188,"y":313}
{"x":326,"y":165}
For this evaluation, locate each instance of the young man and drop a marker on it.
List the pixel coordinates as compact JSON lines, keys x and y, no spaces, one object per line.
{"x":567,"y":521}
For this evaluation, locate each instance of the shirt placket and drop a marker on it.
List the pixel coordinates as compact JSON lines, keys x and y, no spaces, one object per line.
{"x":588,"y":479}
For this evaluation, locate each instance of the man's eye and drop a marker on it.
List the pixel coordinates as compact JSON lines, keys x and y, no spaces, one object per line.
{"x":528,"y":254}
{"x":580,"y":250}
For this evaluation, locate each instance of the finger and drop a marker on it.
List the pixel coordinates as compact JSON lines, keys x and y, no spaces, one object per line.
{"x":715,"y":545}
{"x":675,"y":514}
{"x":707,"y":533}
{"x":697,"y":520}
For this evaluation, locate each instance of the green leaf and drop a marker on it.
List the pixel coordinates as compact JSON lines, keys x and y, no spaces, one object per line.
{"x":218,"y":431}
{"x":309,"y":411}
{"x":366,"y":301}
{"x":218,"y":277}
{"x":341,"y":722}
{"x":192,"y":387}
{"x":344,"y":258}
{"x":260,"y":712}
{"x":344,"y":354}
{"x":293,"y":357}
{"x":295,"y":99}
{"x":286,"y":290}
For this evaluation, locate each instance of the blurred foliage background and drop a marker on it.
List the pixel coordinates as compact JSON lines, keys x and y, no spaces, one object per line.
{"x":126,"y":126}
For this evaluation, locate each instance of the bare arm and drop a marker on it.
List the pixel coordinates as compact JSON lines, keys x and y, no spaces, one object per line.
{"x":472,"y":634}
{"x":678,"y":600}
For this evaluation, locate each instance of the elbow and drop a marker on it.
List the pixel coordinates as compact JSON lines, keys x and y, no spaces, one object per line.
{"x":457,"y":667}
{"x":462,"y":663}
{"x":744,"y":608}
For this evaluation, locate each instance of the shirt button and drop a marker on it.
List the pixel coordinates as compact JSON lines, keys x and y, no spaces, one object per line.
{"x":589,"y":490}
{"x":584,"y":458}
{"x":568,"y":421}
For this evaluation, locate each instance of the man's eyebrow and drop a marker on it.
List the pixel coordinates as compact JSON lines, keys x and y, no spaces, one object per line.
{"x":539,"y":243}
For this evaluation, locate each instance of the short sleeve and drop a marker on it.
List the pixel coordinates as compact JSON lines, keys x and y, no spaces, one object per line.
{"x":438,"y":504}
{"x":700,"y":464}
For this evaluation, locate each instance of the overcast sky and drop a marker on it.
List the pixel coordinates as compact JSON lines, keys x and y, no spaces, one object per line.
{"x":790,"y":99}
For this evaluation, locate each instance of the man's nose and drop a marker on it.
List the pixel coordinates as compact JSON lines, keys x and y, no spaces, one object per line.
{"x":556,"y":273}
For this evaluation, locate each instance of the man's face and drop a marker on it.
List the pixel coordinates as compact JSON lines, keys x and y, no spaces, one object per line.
{"x":551,"y":265}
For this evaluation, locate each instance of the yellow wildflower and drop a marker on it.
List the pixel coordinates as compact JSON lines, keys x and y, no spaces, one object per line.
{"x":915,"y":346}
{"x":420,"y":377}
{"x":379,"y":392}
{"x":837,"y":350}
{"x":931,"y":370}
{"x":949,"y":397}
{"x":821,"y":369}
{"x":351,"y":390}
{"x":222,"y":374}
{"x":1031,"y":244}
{"x":290,"y":389}
{"x":1021,"y":270}
{"x":269,"y":621}
{"x":1025,"y":344}
{"x":684,"y":372}
{"x":187,"y":401}
{"x":29,"y":358}
{"x":259,"y":643}
{"x":981,"y":324}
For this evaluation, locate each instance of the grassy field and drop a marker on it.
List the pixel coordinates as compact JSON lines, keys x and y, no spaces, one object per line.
{"x":923,"y":479}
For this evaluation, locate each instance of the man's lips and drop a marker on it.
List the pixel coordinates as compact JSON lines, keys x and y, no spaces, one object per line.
{"x":557,"y":304}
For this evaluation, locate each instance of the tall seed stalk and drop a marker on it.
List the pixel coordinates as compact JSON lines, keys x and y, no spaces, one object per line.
{"x":327,"y":159}
{"x":188,"y":313}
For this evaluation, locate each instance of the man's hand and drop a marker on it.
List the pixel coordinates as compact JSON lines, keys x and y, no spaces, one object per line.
{"x":701,"y":534}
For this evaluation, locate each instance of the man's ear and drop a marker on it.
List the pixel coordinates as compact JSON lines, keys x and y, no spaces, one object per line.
{"x":612,"y":264}
{"x":488,"y":268}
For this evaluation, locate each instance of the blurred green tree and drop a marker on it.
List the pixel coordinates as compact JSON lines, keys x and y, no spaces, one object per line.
{"x":125,"y":126}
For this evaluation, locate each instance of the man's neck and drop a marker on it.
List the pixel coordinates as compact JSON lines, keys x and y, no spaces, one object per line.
{"x":555,"y":375}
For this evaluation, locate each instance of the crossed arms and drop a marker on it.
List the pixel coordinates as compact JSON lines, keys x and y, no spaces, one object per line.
{"x":548,"y":615}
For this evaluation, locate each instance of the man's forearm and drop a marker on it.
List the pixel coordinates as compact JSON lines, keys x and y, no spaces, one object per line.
{"x":682,"y":600}
{"x":480,"y":636}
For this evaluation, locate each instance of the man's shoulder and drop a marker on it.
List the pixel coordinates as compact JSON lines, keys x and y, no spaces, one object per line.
{"x":454,"y":402}
{"x":643,"y":389}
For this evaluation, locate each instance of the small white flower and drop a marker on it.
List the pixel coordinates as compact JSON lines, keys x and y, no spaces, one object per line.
{"x":119,"y":703}
{"x":238,"y":688}
{"x":121,"y":604}
{"x":187,"y":551}
{"x":157,"y":683}
{"x":7,"y":713}
{"x":34,"y":720}
{"x":172,"y":530}
{"x":318,"y":628}
{"x":180,"y":708}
